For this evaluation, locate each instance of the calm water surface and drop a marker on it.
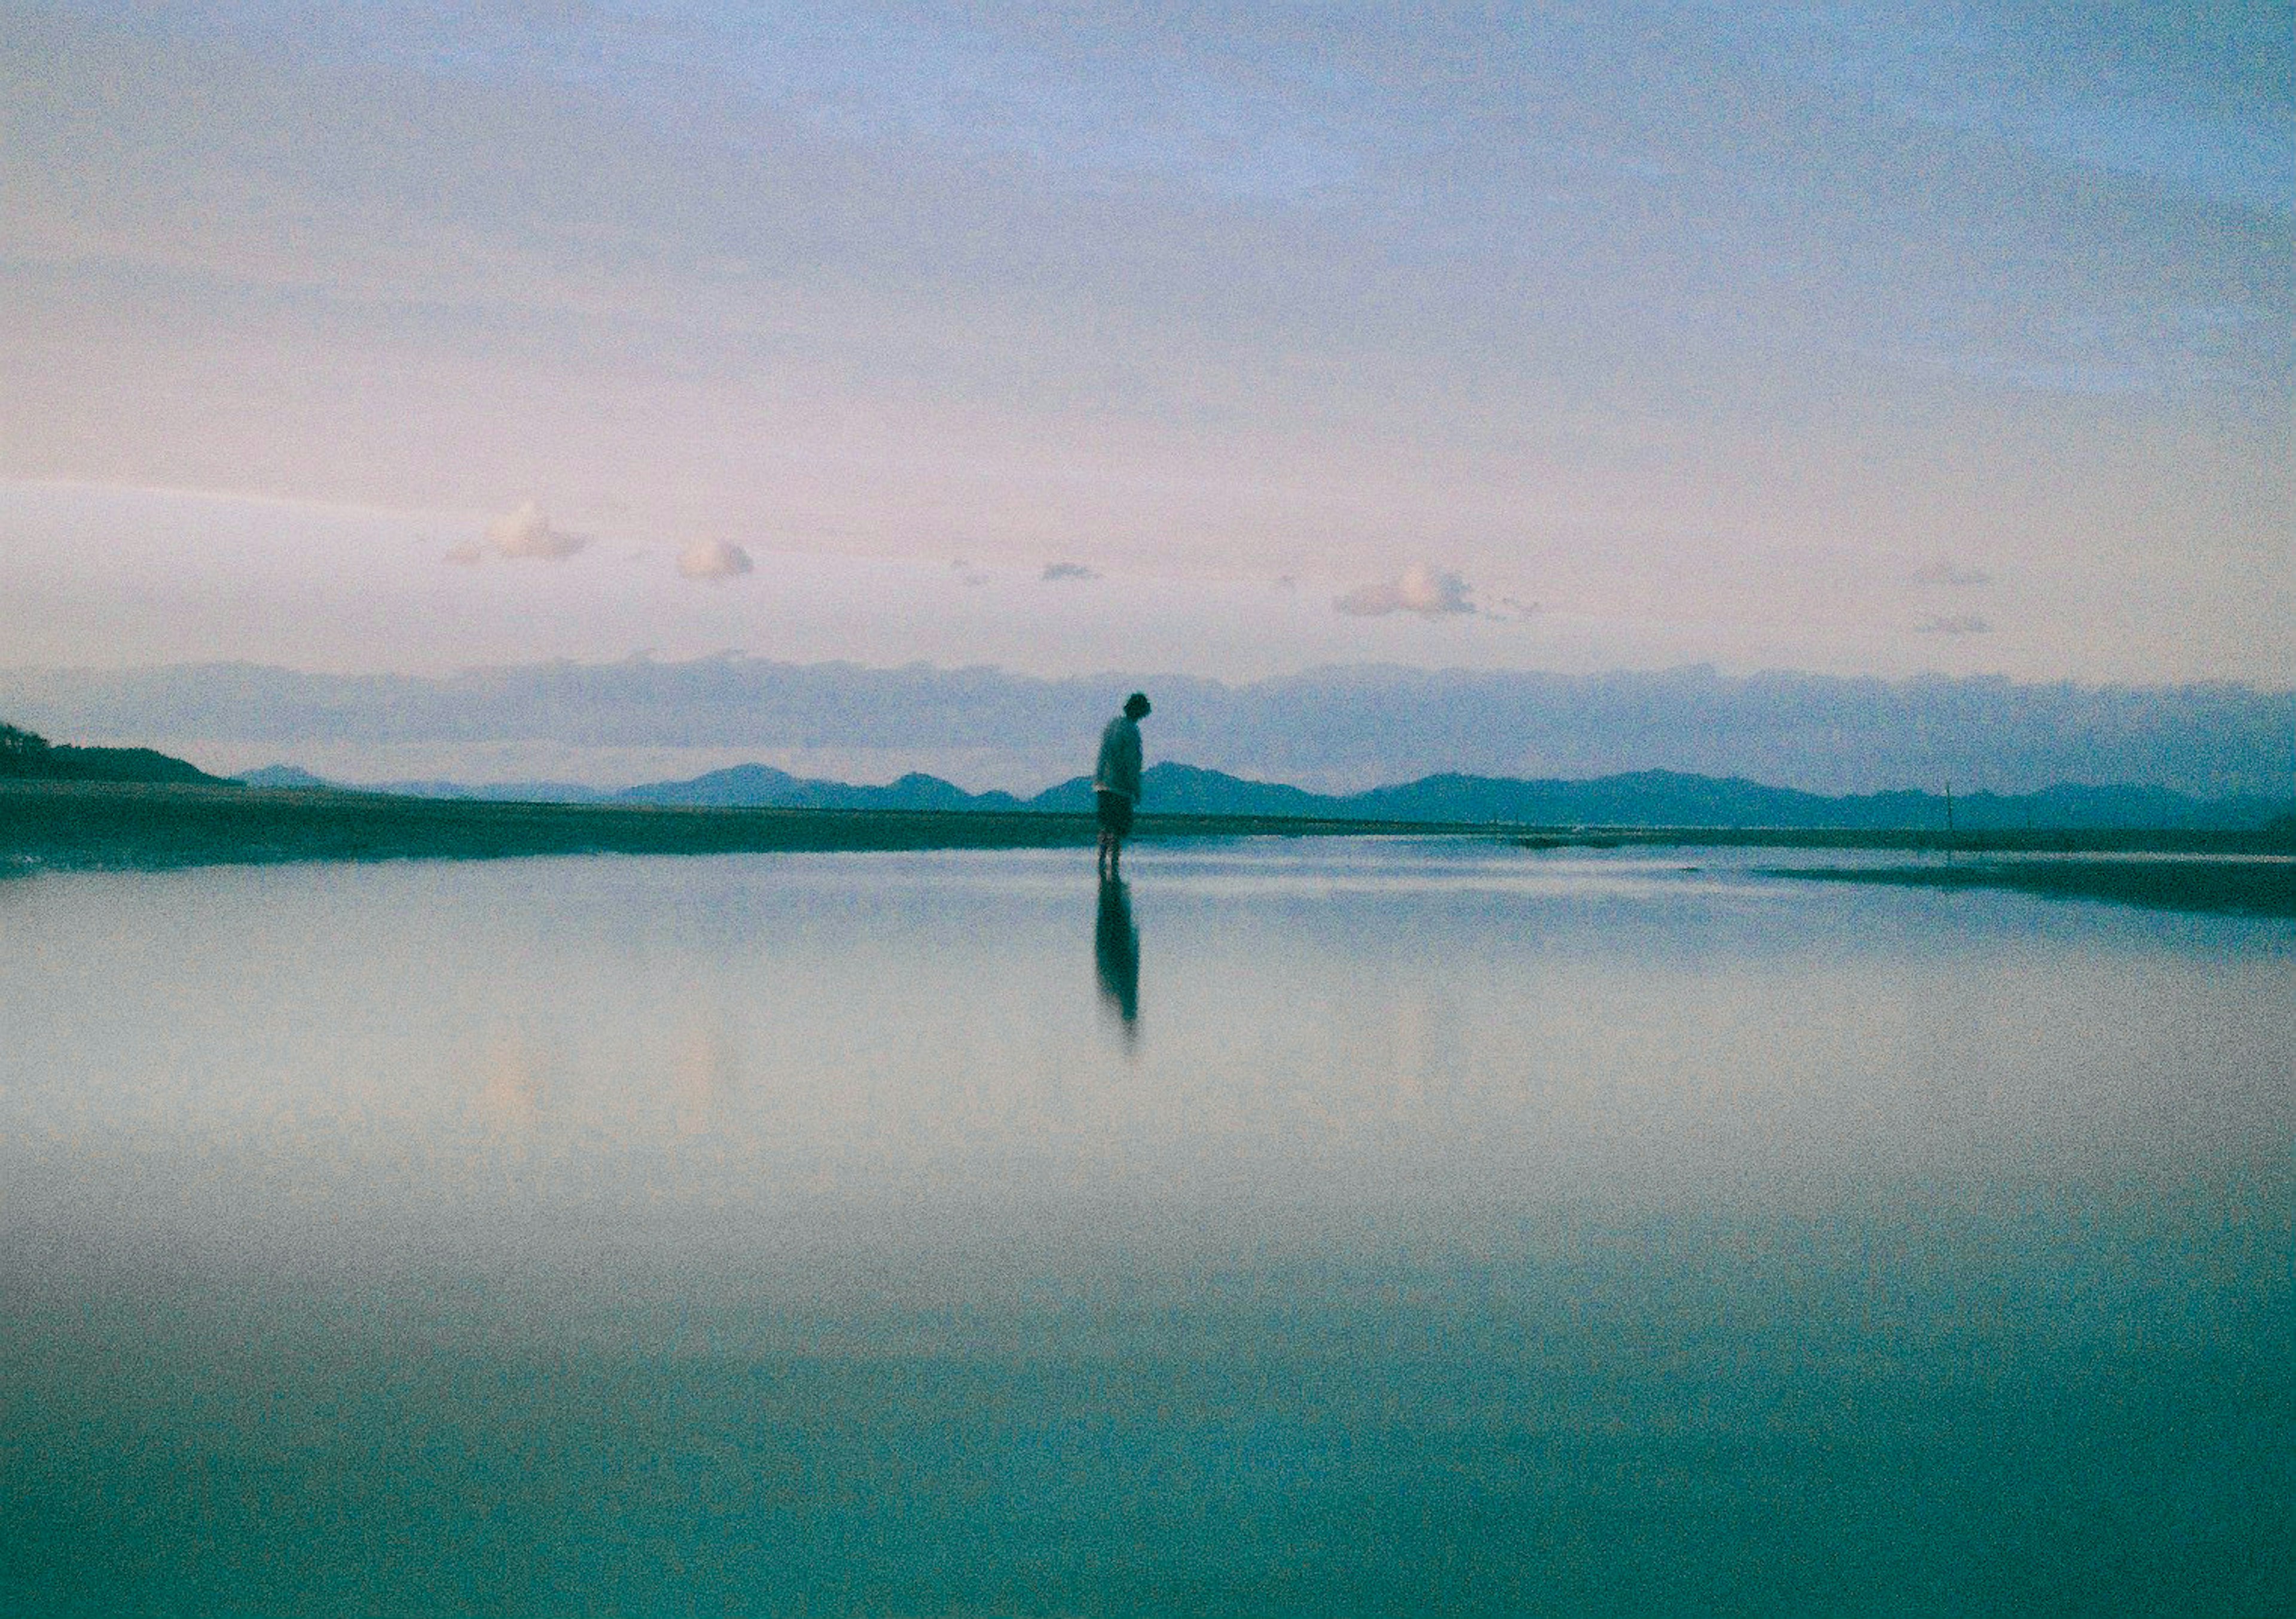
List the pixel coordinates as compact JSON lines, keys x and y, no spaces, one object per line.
{"x":1320,"y":1228}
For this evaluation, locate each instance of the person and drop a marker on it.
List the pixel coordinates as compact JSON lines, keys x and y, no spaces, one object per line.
{"x":1116,"y":781}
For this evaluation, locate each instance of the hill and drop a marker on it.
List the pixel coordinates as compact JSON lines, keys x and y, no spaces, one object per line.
{"x":27,"y":756}
{"x":1639,"y":798}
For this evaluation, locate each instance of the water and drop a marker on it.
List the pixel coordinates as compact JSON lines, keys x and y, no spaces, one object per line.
{"x":1316,"y":1228}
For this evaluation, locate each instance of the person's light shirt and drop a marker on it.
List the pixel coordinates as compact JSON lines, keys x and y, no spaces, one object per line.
{"x":1118,"y":769}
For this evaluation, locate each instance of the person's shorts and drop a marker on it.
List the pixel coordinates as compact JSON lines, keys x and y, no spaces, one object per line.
{"x":1115,"y":813}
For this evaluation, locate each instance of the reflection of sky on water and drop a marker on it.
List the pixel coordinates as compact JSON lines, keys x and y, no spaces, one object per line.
{"x":1421,"y":1025}
{"x":801,"y":1229}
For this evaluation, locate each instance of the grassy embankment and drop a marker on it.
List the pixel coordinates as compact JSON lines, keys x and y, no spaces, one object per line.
{"x":2255,"y":885}
{"x":2249,"y":873}
{"x":143,"y":826}
{"x":82,"y":825}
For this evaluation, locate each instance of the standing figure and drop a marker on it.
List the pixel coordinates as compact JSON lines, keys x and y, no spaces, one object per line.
{"x":1116,"y":781}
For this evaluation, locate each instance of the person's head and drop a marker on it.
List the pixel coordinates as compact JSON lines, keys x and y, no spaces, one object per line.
{"x":1135,"y":707}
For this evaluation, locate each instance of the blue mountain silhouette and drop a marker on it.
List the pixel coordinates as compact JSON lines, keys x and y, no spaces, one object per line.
{"x":1652,"y":798}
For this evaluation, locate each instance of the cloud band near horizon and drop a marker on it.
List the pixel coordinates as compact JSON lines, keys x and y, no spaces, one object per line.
{"x":1341,"y":729}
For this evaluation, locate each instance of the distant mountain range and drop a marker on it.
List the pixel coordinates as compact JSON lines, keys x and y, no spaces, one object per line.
{"x":1327,"y":728}
{"x":1655,"y":797}
{"x":1649,"y":798}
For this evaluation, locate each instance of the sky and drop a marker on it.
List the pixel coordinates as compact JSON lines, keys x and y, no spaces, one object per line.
{"x":1231,"y":341}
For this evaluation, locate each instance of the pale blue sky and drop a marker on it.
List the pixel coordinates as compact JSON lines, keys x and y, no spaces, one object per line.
{"x":1867,"y":340}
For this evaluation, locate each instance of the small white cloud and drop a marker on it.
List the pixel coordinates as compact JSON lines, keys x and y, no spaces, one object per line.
{"x":1955,"y":624}
{"x":1943,"y":572}
{"x":527,"y":533}
{"x":1429,"y":591}
{"x":1057,"y":571}
{"x":715,"y":561}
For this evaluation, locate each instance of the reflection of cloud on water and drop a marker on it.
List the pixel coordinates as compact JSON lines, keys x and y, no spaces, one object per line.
{"x":1426,"y":1047}
{"x":1413,"y":1042}
{"x":507,"y":1105}
{"x":703,"y":1076}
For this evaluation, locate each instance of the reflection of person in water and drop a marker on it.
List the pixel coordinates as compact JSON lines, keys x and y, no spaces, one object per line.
{"x":1116,"y":780}
{"x":1116,"y":952}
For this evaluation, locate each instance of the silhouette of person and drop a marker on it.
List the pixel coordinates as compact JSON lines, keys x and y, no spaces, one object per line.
{"x":1116,"y":954}
{"x":1116,"y":780}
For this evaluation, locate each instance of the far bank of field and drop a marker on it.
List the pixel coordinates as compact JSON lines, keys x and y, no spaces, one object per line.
{"x":156,"y":825}
{"x":79,"y":825}
{"x":2254,"y":886}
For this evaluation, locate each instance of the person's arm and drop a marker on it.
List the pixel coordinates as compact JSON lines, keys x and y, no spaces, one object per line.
{"x":1132,"y":759}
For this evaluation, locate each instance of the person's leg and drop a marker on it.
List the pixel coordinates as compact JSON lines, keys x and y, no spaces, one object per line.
{"x":1115,"y":823}
{"x":1108,"y":808}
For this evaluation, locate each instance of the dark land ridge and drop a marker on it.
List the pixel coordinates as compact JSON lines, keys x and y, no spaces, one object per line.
{"x":27,"y":756}
{"x":134,"y":808}
{"x":147,"y":825}
{"x":2255,"y":887}
{"x":150,"y":825}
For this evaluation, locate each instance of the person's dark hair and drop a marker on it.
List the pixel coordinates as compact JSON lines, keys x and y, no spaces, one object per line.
{"x":1135,"y":707}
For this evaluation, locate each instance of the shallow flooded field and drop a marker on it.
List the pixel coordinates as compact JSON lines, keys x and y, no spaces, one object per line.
{"x":1324,"y":1227}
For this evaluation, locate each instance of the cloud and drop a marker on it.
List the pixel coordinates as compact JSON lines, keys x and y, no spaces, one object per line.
{"x":967,"y":572}
{"x":1054,"y":571}
{"x":469,"y":553}
{"x":1424,"y":589}
{"x":1955,"y":624}
{"x":1514,"y":608}
{"x":1942,"y":572}
{"x":527,"y":533}
{"x":715,"y":561}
